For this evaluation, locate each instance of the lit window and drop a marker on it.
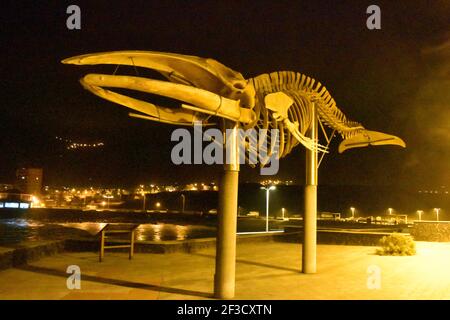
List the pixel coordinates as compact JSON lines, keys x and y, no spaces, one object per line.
{"x":11,"y":205}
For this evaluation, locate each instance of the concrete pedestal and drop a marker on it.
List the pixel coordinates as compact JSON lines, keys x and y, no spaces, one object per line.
{"x":224,"y":278}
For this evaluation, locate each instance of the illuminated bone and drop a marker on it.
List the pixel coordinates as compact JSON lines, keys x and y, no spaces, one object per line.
{"x":303,"y":90}
{"x":207,"y":89}
{"x":203,"y":99}
{"x":279,"y":103}
{"x":370,"y":138}
{"x":207,"y":74}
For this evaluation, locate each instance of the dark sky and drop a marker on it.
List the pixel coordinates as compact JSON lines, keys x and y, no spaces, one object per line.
{"x":394,"y":80}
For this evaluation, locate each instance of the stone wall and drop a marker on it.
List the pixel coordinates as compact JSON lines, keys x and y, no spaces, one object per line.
{"x":93,"y":244}
{"x":338,"y":237}
{"x":431,"y":231}
{"x":26,"y":252}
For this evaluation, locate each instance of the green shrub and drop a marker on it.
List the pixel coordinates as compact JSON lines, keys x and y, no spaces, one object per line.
{"x":397,"y":244}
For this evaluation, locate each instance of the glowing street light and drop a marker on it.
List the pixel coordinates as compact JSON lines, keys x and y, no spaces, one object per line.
{"x":183,"y":198}
{"x":107,"y":199}
{"x":419,"y":212}
{"x":353,"y":212}
{"x":282,"y":213}
{"x":143,"y":201}
{"x":390,"y":211}
{"x":268,"y":189}
{"x":35,"y":201}
{"x":437,"y":213}
{"x":158,"y":204}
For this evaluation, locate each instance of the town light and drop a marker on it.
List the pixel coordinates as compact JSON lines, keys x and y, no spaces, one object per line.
{"x":268,"y":189}
{"x":437,"y":213}
{"x":143,"y":204}
{"x":419,"y":212}
{"x":352,"y":209}
{"x":35,"y":201}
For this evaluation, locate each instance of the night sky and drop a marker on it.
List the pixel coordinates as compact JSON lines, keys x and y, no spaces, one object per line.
{"x":395,"y":80}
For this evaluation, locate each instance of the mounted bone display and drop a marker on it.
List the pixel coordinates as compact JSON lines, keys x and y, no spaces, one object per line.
{"x":289,"y":103}
{"x":206,"y":89}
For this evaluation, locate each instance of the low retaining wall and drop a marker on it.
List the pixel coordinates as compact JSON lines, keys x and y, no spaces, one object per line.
{"x":193,"y":245}
{"x":27,"y":252}
{"x":6,"y":258}
{"x":24,"y":253}
{"x":431,"y":231}
{"x":338,"y":237}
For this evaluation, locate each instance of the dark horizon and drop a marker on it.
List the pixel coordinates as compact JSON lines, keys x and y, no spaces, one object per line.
{"x":393,"y":80}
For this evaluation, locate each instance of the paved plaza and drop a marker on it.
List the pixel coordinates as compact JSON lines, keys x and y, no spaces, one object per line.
{"x":263,"y":271}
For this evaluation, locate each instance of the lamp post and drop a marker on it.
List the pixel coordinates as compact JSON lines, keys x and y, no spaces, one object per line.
{"x":143,"y":202}
{"x":390,"y":211}
{"x":107,"y":200}
{"x":183,"y":203}
{"x":268,"y":189}
{"x":282,"y":213}
{"x":437,"y":213}
{"x":353,"y":212}
{"x":419,"y":212}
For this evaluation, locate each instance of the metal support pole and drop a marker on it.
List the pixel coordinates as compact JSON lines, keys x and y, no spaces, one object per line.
{"x":224,"y":278}
{"x":310,"y":215}
{"x":183,"y":203}
{"x":143,"y":204}
{"x":267,"y":209}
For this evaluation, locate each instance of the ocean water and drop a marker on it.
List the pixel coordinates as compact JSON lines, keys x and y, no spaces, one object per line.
{"x":47,"y":224}
{"x":17,"y":230}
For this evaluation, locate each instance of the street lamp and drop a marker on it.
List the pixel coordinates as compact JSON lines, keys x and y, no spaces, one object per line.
{"x":437,"y":213}
{"x":353,"y":212}
{"x":143,"y":204}
{"x":282,"y":213}
{"x":390,"y":211}
{"x":107,"y":200}
{"x":419,"y":212}
{"x":268,"y":189}
{"x":183,"y":199}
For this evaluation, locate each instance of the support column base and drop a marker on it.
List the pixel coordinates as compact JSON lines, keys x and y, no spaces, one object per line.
{"x":310,"y":230}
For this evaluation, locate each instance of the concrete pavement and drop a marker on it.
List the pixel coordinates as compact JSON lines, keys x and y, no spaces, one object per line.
{"x":264,"y":271}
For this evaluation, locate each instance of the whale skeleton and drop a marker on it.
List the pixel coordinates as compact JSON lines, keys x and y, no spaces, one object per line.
{"x":207,"y":90}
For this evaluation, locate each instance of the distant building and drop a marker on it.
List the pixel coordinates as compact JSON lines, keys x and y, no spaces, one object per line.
{"x":5,"y":186}
{"x":14,"y":199}
{"x":29,"y":180}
